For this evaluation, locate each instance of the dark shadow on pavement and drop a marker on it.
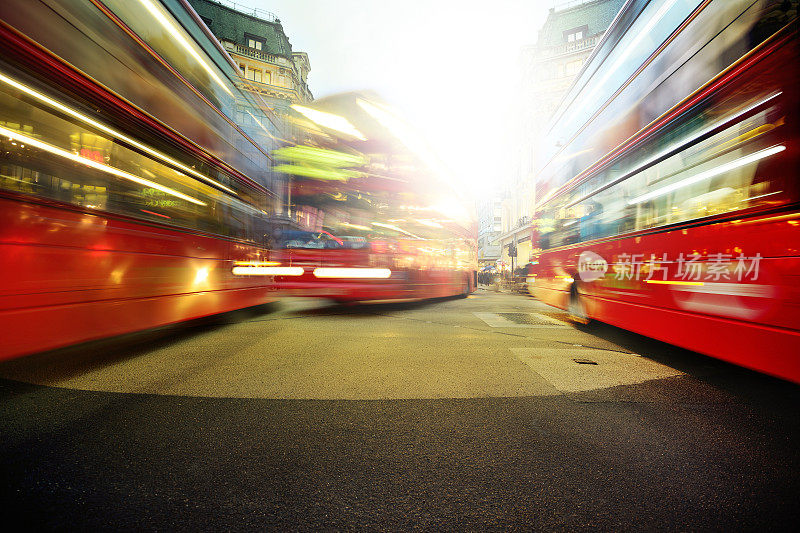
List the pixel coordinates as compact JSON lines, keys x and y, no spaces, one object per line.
{"x":371,"y":308}
{"x":77,"y":359}
{"x":734,"y":379}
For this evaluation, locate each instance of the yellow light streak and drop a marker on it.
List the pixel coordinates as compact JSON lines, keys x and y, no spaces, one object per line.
{"x":708,"y":174}
{"x":119,"y":135}
{"x":320,"y":173}
{"x":355,"y":226}
{"x":429,"y":223}
{"x":260,"y":124}
{"x":395,"y":228}
{"x":330,"y":121}
{"x":94,"y":164}
{"x":176,"y":34}
{"x":319,"y":156}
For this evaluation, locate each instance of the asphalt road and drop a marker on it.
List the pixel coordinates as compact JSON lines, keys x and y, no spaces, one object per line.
{"x":486,"y":413}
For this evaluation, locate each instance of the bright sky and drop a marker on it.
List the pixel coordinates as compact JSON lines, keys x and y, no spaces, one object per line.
{"x":448,"y":66}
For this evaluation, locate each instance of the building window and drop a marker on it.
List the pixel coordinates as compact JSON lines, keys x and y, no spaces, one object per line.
{"x":254,"y":74}
{"x":241,"y":67}
{"x":254,"y":42}
{"x":573,"y":67}
{"x":576,"y":34}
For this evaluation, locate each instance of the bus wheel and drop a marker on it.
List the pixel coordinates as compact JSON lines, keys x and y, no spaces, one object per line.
{"x":577,"y":307}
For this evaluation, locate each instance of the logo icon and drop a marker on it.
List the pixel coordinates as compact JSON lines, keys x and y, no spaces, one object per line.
{"x":591,"y":266}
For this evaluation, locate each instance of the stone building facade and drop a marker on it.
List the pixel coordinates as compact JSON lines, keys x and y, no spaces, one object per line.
{"x":565,"y":43}
{"x":256,"y":42}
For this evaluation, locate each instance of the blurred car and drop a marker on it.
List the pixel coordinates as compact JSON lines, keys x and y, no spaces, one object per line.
{"x":353,"y":242}
{"x":309,"y":240}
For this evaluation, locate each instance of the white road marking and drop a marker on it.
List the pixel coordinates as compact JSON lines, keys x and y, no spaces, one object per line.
{"x":558,"y":366}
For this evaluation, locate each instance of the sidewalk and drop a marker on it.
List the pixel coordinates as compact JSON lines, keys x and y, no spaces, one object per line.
{"x":504,"y":286}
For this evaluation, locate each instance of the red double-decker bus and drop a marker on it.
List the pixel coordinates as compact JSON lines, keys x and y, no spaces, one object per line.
{"x":669,"y":201}
{"x":372,"y":219}
{"x":127,"y":191}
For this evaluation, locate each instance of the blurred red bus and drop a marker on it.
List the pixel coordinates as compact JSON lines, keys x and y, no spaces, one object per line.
{"x":126,"y":191}
{"x":669,"y":199}
{"x":354,"y":268}
{"x":373,"y":221}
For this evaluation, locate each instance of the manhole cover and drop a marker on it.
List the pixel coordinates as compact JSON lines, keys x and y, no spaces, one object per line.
{"x":524,"y":318}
